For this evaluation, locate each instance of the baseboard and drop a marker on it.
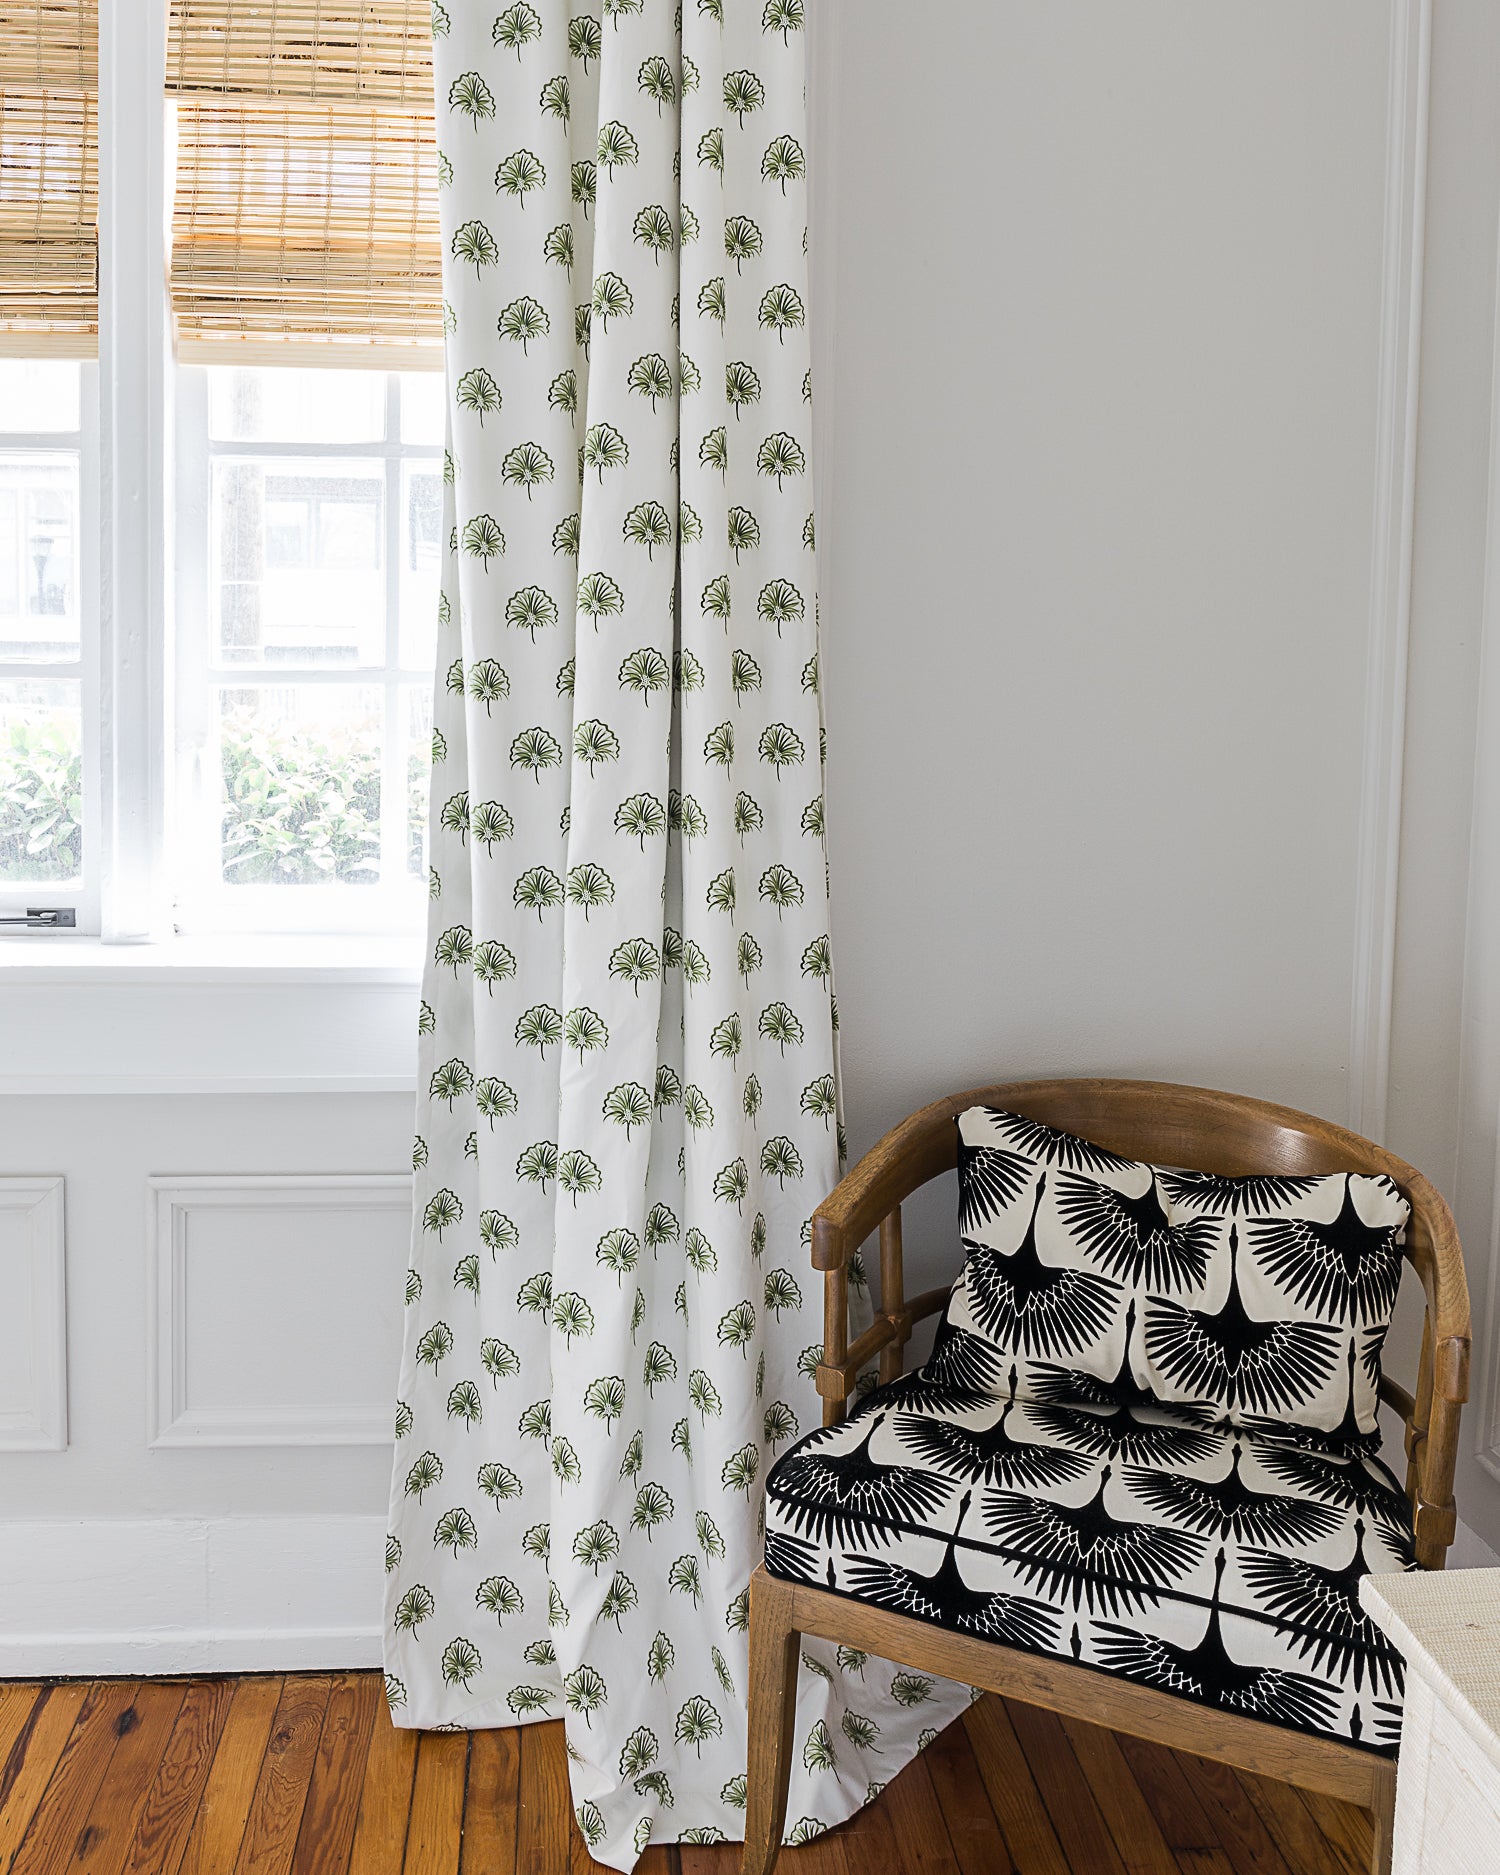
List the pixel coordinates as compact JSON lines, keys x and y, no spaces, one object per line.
{"x":167,"y":1653}
{"x":1470,"y":1551}
{"x":190,"y":1595}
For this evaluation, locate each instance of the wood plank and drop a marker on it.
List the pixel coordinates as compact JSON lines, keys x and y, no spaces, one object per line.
{"x":1012,"y":1790}
{"x":105,"y":1838}
{"x":916,"y":1819}
{"x":160,"y":1838}
{"x":1085,"y":1837}
{"x":1242,"y":1836}
{"x":435,"y":1831}
{"x":492,"y":1803}
{"x":1350,"y":1829}
{"x":31,"y":1760}
{"x":1127,"y":1815}
{"x":285,"y":1771}
{"x":713,"y":1859}
{"x":867,"y":1843}
{"x":385,"y":1800}
{"x":1173,"y":1802}
{"x":326,"y":1835}
{"x":1295,"y":1831}
{"x":1204,"y":1862}
{"x":835,"y":1852}
{"x":218,"y":1827}
{"x":108,"y":1712}
{"x":978,"y":1843}
{"x":662,"y":1859}
{"x":17,"y":1702}
{"x":541,"y":1847}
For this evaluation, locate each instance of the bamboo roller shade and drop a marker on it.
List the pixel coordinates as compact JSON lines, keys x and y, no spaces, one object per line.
{"x":305,"y":221}
{"x":49,"y":195}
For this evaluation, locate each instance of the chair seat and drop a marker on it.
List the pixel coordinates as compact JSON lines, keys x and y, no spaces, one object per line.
{"x":1215,"y":1562}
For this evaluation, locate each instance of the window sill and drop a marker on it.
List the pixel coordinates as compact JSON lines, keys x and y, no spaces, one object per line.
{"x":208,"y":1015}
{"x":58,"y":957}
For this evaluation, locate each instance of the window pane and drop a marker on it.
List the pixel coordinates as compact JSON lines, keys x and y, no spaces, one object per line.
{"x":41,"y":781}
{"x":298,"y":568}
{"x":39,"y":554}
{"x":301,"y":784}
{"x":416,"y":711}
{"x":38,"y":394}
{"x":282,"y":404}
{"x":423,"y":407}
{"x":421,"y":552}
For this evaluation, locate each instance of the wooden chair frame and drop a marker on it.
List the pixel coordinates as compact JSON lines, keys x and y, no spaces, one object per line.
{"x":1192,"y":1127}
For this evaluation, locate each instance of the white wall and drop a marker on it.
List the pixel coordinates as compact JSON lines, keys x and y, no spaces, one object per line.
{"x":1097,"y":579}
{"x":1099,"y":358}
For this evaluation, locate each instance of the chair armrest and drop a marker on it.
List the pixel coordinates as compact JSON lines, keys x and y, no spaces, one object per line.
{"x":917,"y":1150}
{"x":868,"y":1197}
{"x":1434,"y":1252}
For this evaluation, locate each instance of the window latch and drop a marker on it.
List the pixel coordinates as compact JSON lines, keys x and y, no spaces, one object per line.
{"x":45,"y":918}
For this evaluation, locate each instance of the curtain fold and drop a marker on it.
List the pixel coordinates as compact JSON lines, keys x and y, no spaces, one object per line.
{"x":627,"y":1048}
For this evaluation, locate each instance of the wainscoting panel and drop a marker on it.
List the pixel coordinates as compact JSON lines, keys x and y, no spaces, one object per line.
{"x":275,"y":1318}
{"x":33,"y":1317}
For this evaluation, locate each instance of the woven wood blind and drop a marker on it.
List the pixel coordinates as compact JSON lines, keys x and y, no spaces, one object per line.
{"x":49,"y":195}
{"x":305,"y":224}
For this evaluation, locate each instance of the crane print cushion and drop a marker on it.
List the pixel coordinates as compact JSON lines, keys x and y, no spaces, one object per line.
{"x":1256,"y":1301}
{"x":1212,"y":1561}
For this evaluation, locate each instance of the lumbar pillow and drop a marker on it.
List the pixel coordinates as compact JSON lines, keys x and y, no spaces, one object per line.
{"x":1098,"y":1278}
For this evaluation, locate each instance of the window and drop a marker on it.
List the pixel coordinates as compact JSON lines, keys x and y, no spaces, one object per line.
{"x":219,"y":545}
{"x":48,"y":523}
{"x":309,"y":527}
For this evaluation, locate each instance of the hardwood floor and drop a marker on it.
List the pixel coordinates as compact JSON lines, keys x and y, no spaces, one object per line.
{"x":304,"y":1775}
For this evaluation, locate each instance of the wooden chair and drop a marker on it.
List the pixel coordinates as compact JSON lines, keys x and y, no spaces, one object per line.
{"x":1180,"y":1126}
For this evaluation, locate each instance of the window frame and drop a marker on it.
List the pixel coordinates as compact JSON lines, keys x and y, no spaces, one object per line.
{"x":81,"y":893}
{"x":205,"y":904}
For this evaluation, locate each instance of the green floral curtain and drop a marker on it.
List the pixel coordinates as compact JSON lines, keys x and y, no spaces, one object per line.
{"x":628,"y":1033}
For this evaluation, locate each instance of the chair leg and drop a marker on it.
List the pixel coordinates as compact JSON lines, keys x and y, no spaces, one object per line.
{"x":1383,"y":1815}
{"x":774,"y":1646}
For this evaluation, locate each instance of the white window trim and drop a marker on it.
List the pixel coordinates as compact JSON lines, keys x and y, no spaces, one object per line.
{"x":135,"y":695}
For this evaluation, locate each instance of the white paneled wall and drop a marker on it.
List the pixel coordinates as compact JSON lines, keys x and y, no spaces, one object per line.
{"x":1112,"y":310}
{"x":235,"y":1269}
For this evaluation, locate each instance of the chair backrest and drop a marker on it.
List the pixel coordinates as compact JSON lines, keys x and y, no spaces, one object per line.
{"x":1203,"y":1130}
{"x":1195,"y":1127}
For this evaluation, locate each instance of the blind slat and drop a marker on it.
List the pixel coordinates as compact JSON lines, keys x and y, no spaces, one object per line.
{"x":375,"y":50}
{"x":49,"y":43}
{"x":49,"y":194}
{"x":305,"y":216}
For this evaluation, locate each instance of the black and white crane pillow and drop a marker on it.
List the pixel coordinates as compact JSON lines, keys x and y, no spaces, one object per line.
{"x":1254,"y":1299}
